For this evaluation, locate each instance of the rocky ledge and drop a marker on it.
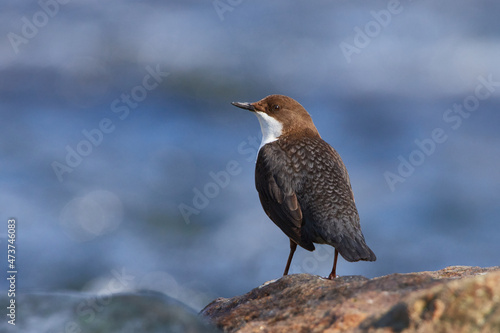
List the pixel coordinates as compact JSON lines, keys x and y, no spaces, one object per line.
{"x":454,"y":299}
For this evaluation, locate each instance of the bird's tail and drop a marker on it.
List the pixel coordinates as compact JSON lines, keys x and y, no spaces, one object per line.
{"x":355,"y":249}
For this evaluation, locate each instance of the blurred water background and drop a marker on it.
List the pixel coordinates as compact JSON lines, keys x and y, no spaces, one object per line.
{"x":127,"y":168}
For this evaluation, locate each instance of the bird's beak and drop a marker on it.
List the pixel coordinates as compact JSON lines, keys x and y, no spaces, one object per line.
{"x":246,"y":106}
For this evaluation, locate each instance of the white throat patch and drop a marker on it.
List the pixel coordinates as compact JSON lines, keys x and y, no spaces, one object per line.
{"x":271,"y":128}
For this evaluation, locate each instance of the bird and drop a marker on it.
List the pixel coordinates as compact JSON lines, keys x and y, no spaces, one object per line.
{"x":303,"y":185}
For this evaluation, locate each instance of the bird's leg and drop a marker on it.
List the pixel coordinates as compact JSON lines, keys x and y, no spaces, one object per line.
{"x":333,"y":274}
{"x":293,"y":247}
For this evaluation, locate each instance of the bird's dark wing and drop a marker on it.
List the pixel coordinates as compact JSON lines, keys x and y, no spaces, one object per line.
{"x":273,"y":180}
{"x":328,"y":202}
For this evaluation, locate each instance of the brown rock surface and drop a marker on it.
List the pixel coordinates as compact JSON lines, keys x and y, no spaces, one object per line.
{"x":454,"y":299}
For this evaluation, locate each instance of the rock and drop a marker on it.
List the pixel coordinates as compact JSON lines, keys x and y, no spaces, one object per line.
{"x":455,"y":299}
{"x":82,"y":313}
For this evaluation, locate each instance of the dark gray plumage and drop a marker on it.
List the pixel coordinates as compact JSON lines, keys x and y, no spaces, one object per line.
{"x":303,"y":184}
{"x":304,"y":188}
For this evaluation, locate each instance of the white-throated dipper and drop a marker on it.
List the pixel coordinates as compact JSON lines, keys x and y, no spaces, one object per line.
{"x":303,"y":184}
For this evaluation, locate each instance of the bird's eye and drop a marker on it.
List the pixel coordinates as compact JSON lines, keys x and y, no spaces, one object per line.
{"x":276,"y":107}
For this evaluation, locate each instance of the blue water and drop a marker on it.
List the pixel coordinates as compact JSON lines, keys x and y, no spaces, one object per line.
{"x":116,"y":209}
